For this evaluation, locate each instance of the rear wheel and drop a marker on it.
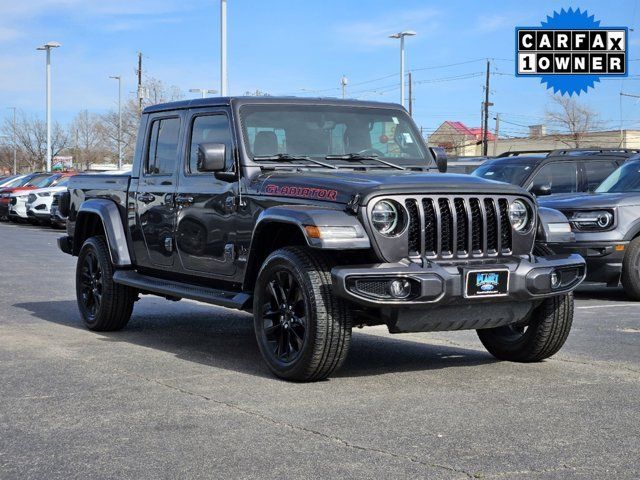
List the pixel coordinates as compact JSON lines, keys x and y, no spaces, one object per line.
{"x":539,"y":336}
{"x":631,"y":270}
{"x":103,"y":304}
{"x":303,"y":330}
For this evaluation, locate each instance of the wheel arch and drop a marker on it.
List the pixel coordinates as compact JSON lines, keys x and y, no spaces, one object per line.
{"x":102,"y":217}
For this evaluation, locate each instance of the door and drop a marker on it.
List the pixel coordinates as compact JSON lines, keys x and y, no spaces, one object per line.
{"x":555,"y":177}
{"x":206,"y":206}
{"x":156,"y":187}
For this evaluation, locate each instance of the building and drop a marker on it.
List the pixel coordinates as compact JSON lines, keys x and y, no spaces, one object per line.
{"x":458,"y":140}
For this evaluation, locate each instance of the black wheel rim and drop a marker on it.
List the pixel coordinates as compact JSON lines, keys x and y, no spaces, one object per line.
{"x":91,"y":284}
{"x":284,"y":316}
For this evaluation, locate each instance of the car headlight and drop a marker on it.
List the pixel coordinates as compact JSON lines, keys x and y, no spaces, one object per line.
{"x":385,"y":217}
{"x":519,"y":215}
{"x":592,"y":220}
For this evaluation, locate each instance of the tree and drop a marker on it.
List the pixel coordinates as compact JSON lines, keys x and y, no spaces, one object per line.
{"x":86,"y":133}
{"x":31,"y":139}
{"x":573,"y":120}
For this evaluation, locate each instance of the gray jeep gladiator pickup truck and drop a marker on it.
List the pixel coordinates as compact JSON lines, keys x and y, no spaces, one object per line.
{"x":317,"y":215}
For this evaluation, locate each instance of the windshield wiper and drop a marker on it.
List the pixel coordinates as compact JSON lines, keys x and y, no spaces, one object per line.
{"x":286,"y":157}
{"x":354,"y":157}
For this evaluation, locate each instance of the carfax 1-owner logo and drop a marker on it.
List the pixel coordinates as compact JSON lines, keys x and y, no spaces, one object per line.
{"x":571,"y":51}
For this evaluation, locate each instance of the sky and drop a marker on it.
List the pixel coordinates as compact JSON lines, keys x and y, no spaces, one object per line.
{"x":303,"y":47}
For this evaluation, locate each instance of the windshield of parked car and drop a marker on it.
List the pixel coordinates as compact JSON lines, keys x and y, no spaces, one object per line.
{"x":11,"y":181}
{"x":625,"y":179}
{"x":515,"y":173}
{"x":42,"y":181}
{"x":63,"y":182}
{"x":321,"y":131}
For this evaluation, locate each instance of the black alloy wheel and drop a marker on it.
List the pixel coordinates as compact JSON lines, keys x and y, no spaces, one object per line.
{"x":91,"y":285}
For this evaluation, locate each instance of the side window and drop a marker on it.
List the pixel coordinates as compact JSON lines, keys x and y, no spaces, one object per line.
{"x":557,"y":177}
{"x":163,"y":146}
{"x":210,"y":129}
{"x":597,"y":172}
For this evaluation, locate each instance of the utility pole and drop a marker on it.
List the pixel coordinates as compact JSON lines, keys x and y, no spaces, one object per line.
{"x":139,"y":72}
{"x":223,"y":48}
{"x":410,"y":97}
{"x":495,"y":138}
{"x":119,"y":78}
{"x":344,"y":82}
{"x":485,"y":144}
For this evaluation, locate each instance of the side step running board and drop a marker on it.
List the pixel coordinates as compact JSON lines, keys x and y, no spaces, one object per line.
{"x":182,"y":290}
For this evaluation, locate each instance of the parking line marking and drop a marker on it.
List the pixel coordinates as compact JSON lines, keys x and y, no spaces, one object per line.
{"x":612,"y":305}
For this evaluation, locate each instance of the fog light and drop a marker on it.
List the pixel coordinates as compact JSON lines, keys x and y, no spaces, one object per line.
{"x":556,"y":279}
{"x":400,"y":288}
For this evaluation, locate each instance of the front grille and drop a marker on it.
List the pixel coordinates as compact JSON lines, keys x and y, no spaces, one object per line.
{"x":56,"y":200}
{"x":452,"y":227}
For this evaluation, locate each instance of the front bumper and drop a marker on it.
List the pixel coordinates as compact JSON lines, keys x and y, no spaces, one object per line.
{"x":438,"y":300}
{"x":604,"y":259}
{"x":18,"y":209}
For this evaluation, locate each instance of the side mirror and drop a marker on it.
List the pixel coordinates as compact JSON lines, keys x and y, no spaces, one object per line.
{"x":211,"y":157}
{"x":541,"y":190}
{"x":441,"y":158}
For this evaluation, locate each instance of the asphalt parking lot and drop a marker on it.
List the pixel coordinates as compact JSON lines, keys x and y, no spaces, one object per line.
{"x":182,"y":393}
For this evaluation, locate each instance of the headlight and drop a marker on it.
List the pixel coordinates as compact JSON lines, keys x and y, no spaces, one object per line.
{"x":384,"y":217}
{"x":519,"y":215}
{"x":592,"y":220}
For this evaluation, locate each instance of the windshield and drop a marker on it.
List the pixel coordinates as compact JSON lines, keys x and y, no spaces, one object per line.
{"x":42,"y":181}
{"x":11,"y":181}
{"x":515,"y":173}
{"x":318,"y":131}
{"x":625,"y":179}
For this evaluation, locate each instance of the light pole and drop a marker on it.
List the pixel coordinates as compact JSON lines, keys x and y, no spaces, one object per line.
{"x":15,"y":142}
{"x":119,"y":78}
{"x":203,"y":91}
{"x":344,"y":81}
{"x":47,"y":47}
{"x":401,"y":35}
{"x":223,"y":48}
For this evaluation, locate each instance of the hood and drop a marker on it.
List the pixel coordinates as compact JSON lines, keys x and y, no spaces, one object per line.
{"x":341,"y":185}
{"x":589,"y":200}
{"x":49,"y":190}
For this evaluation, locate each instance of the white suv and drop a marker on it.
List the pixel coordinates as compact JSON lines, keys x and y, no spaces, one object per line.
{"x":38,"y":202}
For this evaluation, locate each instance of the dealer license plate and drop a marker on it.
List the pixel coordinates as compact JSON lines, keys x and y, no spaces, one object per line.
{"x":487,"y":283}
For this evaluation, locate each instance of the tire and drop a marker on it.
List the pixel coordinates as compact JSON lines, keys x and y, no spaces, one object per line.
{"x":539,"y":336}
{"x":631,"y":270}
{"x":307,"y":336}
{"x":104,"y":305}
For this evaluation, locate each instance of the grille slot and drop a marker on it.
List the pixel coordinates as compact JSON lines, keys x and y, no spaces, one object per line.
{"x":458,"y":227}
{"x":414,"y":227}
{"x":505,"y":225}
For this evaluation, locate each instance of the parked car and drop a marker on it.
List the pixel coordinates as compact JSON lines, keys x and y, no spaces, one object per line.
{"x":559,"y":171}
{"x":317,"y":215}
{"x":10,"y":186}
{"x":39,"y":201}
{"x":606,"y":225}
{"x":19,"y":196}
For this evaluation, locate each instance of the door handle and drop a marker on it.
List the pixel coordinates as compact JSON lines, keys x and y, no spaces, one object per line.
{"x":146,"y":198}
{"x":184,"y":200}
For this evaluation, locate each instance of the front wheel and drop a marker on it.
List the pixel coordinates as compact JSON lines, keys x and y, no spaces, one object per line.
{"x":630,"y":277}
{"x":103,"y":304}
{"x":303,"y":330}
{"x":537,"y":337}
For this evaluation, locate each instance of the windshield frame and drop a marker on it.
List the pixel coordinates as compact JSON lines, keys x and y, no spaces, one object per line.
{"x":247,"y":156}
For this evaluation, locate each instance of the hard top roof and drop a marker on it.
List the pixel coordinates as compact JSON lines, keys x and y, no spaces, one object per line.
{"x":221,"y":101}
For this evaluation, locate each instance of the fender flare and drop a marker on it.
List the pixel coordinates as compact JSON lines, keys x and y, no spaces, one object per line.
{"x":303,"y":215}
{"x":113,"y":227}
{"x":548,"y":216}
{"x":632,"y":231}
